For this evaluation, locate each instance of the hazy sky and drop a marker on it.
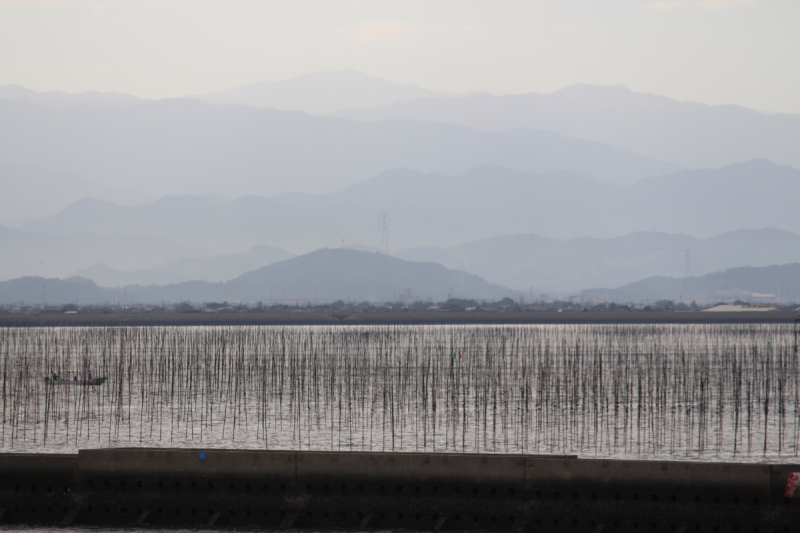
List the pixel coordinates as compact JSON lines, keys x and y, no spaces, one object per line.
{"x":745,"y":52}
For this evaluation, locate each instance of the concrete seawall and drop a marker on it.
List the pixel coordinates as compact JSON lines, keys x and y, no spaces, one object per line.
{"x":164,"y":487}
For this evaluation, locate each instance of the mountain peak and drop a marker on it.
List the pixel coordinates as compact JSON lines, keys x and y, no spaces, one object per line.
{"x":321,"y":93}
{"x":687,"y":134}
{"x":322,"y":275}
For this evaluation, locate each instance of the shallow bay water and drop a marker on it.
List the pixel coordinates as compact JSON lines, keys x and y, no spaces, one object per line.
{"x":689,"y":392}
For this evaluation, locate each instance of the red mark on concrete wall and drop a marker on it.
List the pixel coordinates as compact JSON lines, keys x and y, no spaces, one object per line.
{"x":791,"y":485}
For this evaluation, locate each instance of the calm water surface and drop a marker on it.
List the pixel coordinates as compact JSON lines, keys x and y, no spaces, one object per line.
{"x":692,"y":392}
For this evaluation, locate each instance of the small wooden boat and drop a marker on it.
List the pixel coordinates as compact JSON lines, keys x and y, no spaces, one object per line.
{"x":85,"y":382}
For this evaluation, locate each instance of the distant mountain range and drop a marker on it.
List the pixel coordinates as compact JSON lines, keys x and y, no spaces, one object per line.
{"x":323,"y":275}
{"x":29,"y":192}
{"x":213,"y":269}
{"x":443,"y":211}
{"x":35,"y":290}
{"x":528,"y":263}
{"x":315,"y":93}
{"x":320,"y":93}
{"x":772,"y":283}
{"x":555,"y":193}
{"x":178,"y":146}
{"x":559,"y":268}
{"x":57,"y":100}
{"x":330,"y":275}
{"x":26,"y":253}
{"x":688,"y":134}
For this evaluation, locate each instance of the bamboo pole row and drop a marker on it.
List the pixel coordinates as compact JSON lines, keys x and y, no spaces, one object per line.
{"x":710,"y":392}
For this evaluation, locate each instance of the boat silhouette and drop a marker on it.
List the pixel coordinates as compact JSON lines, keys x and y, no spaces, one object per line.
{"x":85,"y":382}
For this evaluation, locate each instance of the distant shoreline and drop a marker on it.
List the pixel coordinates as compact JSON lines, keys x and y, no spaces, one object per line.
{"x":377,"y":318}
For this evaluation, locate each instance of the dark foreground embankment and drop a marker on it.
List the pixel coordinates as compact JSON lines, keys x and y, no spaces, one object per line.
{"x":162,"y":487}
{"x":312,"y":318}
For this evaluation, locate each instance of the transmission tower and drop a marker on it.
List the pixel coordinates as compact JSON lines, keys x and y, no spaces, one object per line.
{"x":384,"y":227}
{"x":687,"y":270}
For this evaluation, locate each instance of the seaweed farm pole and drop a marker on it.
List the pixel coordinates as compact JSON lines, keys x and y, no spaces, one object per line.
{"x":721,"y":391}
{"x":5,"y":376}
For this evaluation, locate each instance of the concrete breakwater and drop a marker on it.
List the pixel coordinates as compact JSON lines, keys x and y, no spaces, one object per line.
{"x":346,"y":490}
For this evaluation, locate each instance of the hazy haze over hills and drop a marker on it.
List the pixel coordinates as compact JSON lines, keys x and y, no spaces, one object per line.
{"x":333,"y":274}
{"x":324,"y":275}
{"x":560,"y":268}
{"x":213,"y":269}
{"x":546,"y":146}
{"x":329,"y":275}
{"x":180,"y":146}
{"x":715,"y":51}
{"x":57,"y":100}
{"x":320,"y":93}
{"x":519,"y":217}
{"x":688,"y":134}
{"x":29,"y":193}
{"x":770,"y":283}
{"x":50,"y":291}
{"x":439,"y":210}
{"x":28,"y":253}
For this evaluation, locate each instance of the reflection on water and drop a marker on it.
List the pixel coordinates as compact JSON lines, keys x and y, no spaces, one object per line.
{"x":705,"y":392}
